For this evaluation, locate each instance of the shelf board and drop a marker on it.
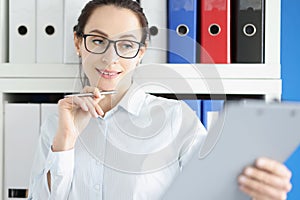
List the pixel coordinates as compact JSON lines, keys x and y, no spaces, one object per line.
{"x":183,"y":86}
{"x":197,"y":71}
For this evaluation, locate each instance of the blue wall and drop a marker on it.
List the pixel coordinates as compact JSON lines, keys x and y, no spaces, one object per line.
{"x":290,"y":71}
{"x":290,"y":50}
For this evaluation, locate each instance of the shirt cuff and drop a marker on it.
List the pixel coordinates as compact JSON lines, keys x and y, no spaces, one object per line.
{"x":60,"y":163}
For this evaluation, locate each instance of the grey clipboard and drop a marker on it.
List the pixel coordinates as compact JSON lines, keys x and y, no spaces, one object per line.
{"x":244,"y":132}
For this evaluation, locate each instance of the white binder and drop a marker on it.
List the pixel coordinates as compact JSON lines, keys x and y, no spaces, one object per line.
{"x":49,"y":31}
{"x":22,"y":31}
{"x":3,"y":31}
{"x":71,"y":14}
{"x":156,"y":13}
{"x":22,"y":124}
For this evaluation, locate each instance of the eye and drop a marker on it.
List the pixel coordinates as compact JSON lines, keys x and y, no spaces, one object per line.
{"x":98,"y":41}
{"x":126,"y":45}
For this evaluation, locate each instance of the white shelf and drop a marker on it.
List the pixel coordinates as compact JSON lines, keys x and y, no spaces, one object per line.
{"x":202,"y":71}
{"x":260,"y":79}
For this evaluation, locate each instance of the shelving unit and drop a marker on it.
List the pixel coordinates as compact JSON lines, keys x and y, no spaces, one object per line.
{"x":207,"y":79}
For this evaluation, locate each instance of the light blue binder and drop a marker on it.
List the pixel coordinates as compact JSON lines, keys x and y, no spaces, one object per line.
{"x":195,"y":105}
{"x":182,"y":25}
{"x":209,"y":106}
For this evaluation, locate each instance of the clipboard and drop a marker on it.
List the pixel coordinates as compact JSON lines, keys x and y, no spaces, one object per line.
{"x":243,"y":132}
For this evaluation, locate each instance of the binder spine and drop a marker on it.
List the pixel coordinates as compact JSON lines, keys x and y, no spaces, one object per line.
{"x":182,"y":26}
{"x":248,"y":31}
{"x":215,"y":31}
{"x":156,"y":12}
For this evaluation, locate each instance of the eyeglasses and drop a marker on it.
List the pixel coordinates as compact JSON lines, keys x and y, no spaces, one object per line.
{"x":124,"y":48}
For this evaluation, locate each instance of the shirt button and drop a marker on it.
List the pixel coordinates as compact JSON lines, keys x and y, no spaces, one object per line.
{"x":97,"y":187}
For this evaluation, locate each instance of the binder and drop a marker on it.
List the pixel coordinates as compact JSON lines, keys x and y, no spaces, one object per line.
{"x":210,"y":112}
{"x":156,"y":13}
{"x":215,"y":31}
{"x":293,"y":163}
{"x":248,"y":31}
{"x":22,"y":31}
{"x":49,"y":35}
{"x":72,"y":10}
{"x":182,"y":25}
{"x":195,"y":105}
{"x":21,"y":130}
{"x":3,"y":31}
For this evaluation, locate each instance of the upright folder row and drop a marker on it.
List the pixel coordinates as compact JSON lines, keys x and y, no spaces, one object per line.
{"x":41,"y":31}
{"x":206,"y":31}
{"x":206,"y":110}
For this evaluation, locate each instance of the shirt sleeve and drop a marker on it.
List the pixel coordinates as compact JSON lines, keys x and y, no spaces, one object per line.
{"x":60,"y":165}
{"x":195,"y":134}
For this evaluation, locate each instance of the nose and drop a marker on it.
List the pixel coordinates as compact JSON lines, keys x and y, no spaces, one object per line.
{"x":110,"y":56}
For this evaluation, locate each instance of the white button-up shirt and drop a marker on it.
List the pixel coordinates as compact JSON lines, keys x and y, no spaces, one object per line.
{"x":133,"y":153}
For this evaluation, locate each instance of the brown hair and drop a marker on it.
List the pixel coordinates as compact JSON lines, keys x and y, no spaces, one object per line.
{"x":128,"y":4}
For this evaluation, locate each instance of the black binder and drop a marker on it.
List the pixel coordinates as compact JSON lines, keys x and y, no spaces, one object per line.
{"x":248,"y":31}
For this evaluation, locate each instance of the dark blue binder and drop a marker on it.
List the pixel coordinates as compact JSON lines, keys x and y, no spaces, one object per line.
{"x":182,"y":25}
{"x":210,"y":106}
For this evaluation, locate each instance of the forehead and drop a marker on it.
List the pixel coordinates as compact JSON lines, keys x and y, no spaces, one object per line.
{"x":114,"y":21}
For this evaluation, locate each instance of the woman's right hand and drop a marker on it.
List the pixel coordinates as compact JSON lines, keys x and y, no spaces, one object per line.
{"x":74,"y":115}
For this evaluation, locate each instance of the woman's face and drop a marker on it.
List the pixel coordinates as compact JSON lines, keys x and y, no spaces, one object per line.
{"x":107,"y":70}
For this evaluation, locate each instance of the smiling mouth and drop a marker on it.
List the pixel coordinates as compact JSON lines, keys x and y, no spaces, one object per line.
{"x":108,"y":74}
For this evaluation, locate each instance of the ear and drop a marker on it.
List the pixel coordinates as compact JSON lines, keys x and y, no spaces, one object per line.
{"x":142,"y":52}
{"x":77,"y":43}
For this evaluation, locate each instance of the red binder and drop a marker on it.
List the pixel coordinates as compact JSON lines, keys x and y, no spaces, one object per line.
{"x":215,"y":31}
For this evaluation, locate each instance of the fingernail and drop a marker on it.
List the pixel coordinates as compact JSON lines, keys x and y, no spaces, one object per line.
{"x":249,"y":171}
{"x":85,"y":108}
{"x":242,"y":179}
{"x":261,"y":162}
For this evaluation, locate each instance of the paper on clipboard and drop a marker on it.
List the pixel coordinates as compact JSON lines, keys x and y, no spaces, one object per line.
{"x":244,"y":132}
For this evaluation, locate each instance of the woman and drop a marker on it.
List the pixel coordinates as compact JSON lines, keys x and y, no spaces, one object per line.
{"x":127,"y":145}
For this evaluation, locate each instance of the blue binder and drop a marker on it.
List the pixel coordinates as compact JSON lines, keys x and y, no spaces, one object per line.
{"x":293,"y":164}
{"x":209,"y":106}
{"x":182,"y":25}
{"x":195,"y":105}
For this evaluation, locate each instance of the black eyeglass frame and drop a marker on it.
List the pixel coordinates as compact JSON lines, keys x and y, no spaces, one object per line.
{"x":84,"y":36}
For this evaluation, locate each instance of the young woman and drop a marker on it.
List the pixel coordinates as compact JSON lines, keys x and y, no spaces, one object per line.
{"x":128,"y":145}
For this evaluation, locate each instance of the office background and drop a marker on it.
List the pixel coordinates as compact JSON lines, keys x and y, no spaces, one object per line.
{"x":290,"y":41}
{"x":290,"y":69}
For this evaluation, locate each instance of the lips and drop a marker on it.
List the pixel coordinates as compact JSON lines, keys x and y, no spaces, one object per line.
{"x":108,"y":74}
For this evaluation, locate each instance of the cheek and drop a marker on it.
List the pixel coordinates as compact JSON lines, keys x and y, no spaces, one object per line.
{"x":129,"y":64}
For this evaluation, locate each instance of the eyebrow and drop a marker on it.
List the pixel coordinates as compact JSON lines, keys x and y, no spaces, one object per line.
{"x":104,"y":34}
{"x":129,"y":35}
{"x":99,"y":32}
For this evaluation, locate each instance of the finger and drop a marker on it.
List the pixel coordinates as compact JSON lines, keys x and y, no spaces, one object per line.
{"x":88,"y":89}
{"x":273,"y":167}
{"x":95,"y":103}
{"x":252,"y":193}
{"x":72,"y":103}
{"x":261,"y":189}
{"x":269,"y":179}
{"x":92,"y":106}
{"x":79,"y":102}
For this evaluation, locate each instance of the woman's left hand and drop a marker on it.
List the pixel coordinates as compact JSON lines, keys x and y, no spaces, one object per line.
{"x":266,"y":180}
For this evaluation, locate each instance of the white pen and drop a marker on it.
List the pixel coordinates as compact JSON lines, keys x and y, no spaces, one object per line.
{"x":91,"y":94}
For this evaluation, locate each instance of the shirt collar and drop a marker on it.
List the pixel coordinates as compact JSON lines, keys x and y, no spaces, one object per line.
{"x":133,"y":100}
